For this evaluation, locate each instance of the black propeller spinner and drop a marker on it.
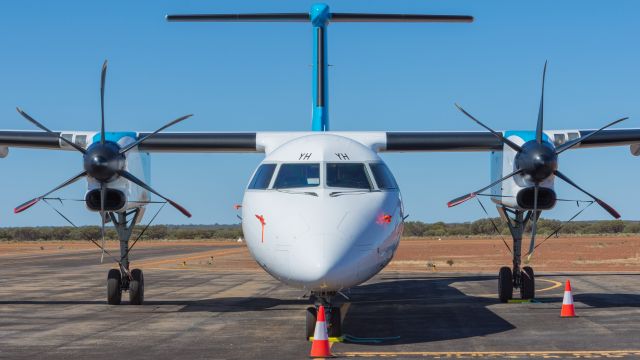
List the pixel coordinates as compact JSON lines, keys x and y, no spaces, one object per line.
{"x":104,"y":161}
{"x":536,"y":160}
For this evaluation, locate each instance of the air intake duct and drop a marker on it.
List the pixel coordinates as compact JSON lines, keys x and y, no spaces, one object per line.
{"x":546,"y":198}
{"x":114,"y":201}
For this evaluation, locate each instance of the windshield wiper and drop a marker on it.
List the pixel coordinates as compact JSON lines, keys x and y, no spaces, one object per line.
{"x":351,"y":192}
{"x":311,"y":193}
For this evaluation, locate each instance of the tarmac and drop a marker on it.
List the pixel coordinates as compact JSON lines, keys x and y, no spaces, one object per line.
{"x":53,"y":305}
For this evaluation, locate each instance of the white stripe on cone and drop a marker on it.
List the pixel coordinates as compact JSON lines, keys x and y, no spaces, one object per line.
{"x":568,"y":298}
{"x":321,"y":331}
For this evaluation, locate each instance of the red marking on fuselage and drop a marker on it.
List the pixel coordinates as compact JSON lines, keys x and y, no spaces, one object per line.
{"x":261,"y":219}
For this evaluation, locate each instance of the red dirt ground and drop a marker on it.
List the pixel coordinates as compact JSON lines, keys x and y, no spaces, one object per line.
{"x":610,"y":254}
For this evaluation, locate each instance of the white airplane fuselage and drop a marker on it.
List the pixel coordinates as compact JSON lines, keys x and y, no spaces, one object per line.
{"x":330,"y":233}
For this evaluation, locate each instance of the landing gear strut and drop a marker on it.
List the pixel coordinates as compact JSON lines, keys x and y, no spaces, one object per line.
{"x":122,"y":279}
{"x":516,"y":277}
{"x":332,"y":315}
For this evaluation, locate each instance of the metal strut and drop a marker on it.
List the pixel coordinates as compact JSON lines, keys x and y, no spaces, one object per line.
{"x":517,"y":223}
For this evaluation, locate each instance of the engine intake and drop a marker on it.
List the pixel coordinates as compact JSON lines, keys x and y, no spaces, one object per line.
{"x":546,"y":198}
{"x":115,"y":200}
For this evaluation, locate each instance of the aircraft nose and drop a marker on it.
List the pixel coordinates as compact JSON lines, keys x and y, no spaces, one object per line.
{"x":321,"y":264}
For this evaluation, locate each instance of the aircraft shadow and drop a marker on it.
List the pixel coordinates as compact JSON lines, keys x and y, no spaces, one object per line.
{"x":600,"y":300}
{"x":416,"y":310}
{"x":230,"y":304}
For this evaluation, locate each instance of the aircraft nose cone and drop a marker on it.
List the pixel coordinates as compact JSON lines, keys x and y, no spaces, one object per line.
{"x":324,"y":262}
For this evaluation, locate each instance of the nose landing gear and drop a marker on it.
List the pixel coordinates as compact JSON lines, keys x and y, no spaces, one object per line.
{"x":516,"y":277}
{"x":332,"y":315}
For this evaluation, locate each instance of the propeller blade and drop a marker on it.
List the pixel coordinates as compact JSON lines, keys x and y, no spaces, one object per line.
{"x":32,"y":202}
{"x":139,"y":141}
{"x":36,"y":123}
{"x":103,"y":195}
{"x":127,"y":175}
{"x":510,"y":143}
{"x":102,"y":83}
{"x":534,"y":224}
{"x":604,"y":205}
{"x":569,"y":144}
{"x":540,"y":124}
{"x":463,"y":198}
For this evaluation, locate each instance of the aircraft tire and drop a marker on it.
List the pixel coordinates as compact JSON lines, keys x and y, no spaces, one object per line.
{"x":505,"y":284}
{"x":136,"y":287}
{"x":114,"y":287}
{"x":312,"y":315}
{"x":528,"y":288}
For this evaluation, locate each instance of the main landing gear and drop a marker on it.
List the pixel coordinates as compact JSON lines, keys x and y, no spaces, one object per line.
{"x":123,"y":279}
{"x":331,"y":312}
{"x":516,"y":277}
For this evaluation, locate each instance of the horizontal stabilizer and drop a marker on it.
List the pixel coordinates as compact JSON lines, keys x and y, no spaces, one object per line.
{"x":349,"y":17}
{"x":286,"y":17}
{"x":334,"y":17}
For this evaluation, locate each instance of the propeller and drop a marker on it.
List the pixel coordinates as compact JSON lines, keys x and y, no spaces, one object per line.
{"x":536,"y":160}
{"x":104,"y":161}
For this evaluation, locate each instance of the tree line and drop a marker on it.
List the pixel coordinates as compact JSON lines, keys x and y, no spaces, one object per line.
{"x":485,"y":227}
{"x":482,"y":227}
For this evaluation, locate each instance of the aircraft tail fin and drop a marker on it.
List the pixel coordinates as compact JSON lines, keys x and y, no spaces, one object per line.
{"x":320,"y":17}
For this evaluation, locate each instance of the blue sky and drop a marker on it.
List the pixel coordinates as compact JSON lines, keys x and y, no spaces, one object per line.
{"x":256,"y":77}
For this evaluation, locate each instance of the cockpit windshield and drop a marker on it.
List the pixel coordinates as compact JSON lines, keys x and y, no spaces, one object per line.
{"x":347,"y":175}
{"x":297,"y":176}
{"x":262,"y":178}
{"x":383,"y":176}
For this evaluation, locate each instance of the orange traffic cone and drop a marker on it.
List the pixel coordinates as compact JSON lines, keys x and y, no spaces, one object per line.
{"x":320,"y":346}
{"x":567,"y":302}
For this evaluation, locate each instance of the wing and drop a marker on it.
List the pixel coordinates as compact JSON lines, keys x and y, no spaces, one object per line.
{"x":259,"y":142}
{"x":485,"y":141}
{"x":29,"y":139}
{"x":163,"y":142}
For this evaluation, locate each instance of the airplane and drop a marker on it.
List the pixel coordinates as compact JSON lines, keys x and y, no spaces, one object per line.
{"x":322,"y":211}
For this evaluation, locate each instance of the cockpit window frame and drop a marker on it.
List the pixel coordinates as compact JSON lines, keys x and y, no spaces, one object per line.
{"x":374,"y":186}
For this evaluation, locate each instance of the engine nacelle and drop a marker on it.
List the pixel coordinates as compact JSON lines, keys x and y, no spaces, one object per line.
{"x":518,"y":191}
{"x":121,"y":194}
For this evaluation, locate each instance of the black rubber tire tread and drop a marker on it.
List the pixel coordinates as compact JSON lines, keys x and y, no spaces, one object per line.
{"x":335,"y":327}
{"x":136,"y":287}
{"x":114,"y":290}
{"x":312,"y":317}
{"x":505,"y":284}
{"x":528,"y":288}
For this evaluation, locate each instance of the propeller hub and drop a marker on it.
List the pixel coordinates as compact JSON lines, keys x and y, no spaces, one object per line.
{"x":537,"y":161}
{"x":103,"y":161}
